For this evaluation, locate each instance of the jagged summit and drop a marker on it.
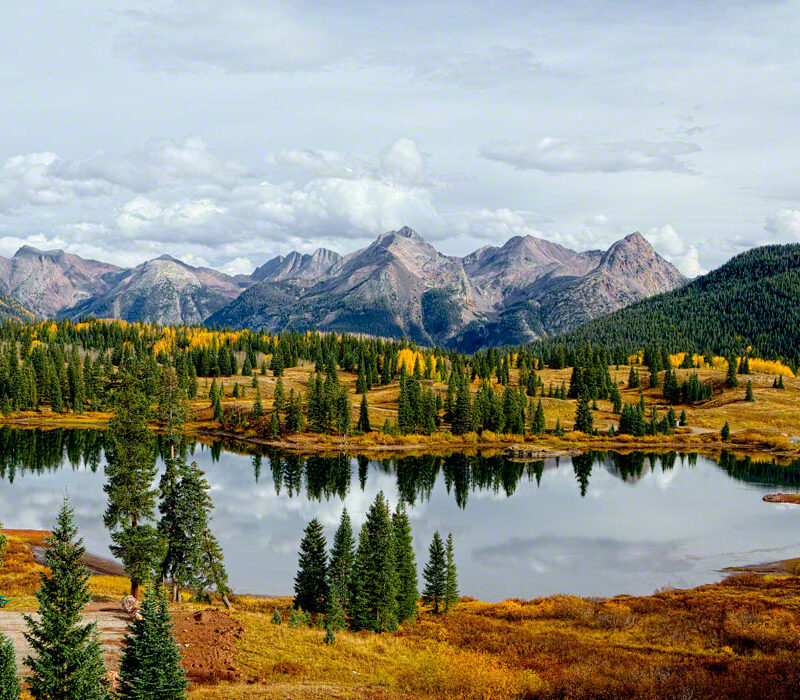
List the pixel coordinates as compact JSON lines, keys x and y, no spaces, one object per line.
{"x":399,"y":284}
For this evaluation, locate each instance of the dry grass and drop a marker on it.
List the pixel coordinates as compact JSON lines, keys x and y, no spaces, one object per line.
{"x":765,"y":424}
{"x":737,"y":639}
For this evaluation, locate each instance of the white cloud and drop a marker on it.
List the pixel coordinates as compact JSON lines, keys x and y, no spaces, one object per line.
{"x":673,"y":247}
{"x":238,"y":266}
{"x":784,"y":223}
{"x":236,"y":36}
{"x":552,"y":155}
{"x":44,"y":179}
{"x":485,"y":68}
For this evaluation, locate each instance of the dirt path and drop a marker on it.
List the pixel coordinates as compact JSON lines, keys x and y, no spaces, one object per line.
{"x":112,"y":627}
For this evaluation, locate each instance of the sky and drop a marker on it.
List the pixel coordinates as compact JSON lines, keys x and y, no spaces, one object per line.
{"x":227,"y":133}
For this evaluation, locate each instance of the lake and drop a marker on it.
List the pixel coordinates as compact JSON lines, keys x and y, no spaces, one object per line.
{"x":599,"y":524}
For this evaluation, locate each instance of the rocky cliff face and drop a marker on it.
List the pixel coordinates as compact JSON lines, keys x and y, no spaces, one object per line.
{"x":47,"y":281}
{"x":526,"y":289}
{"x":164,"y":290}
{"x":400,"y":285}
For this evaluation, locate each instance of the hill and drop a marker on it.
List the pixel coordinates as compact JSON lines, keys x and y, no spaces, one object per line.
{"x":752,"y":300}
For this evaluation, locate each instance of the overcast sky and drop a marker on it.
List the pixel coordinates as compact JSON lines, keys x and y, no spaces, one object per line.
{"x":225,"y":133}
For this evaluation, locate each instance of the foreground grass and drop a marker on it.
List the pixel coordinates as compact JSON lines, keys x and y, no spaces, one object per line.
{"x":736,"y":639}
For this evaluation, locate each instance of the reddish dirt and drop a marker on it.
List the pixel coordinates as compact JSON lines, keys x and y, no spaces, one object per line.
{"x":782,"y":498}
{"x":207,"y":640}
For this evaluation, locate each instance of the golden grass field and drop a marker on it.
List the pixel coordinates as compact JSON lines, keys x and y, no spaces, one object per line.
{"x":769,"y":424}
{"x":736,"y":639}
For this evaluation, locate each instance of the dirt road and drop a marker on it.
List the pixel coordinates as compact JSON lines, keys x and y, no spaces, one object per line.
{"x":112,"y":626}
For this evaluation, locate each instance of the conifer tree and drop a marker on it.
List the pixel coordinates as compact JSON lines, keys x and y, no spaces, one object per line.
{"x":731,"y":380}
{"x":406,"y":564}
{"x":274,"y":426}
{"x":342,"y":558}
{"x":9,"y":683}
{"x":258,"y":408}
{"x":584,"y":421}
{"x":538,"y":422}
{"x":748,"y":394}
{"x":373,"y":602}
{"x":725,"y":433}
{"x":311,"y":581}
{"x":434,"y":592}
{"x":684,"y":420}
{"x":451,"y":583}
{"x":279,"y":396}
{"x":559,"y":431}
{"x":185,"y":505}
{"x":68,"y":660}
{"x":363,"y":416}
{"x":150,"y":667}
{"x":130,"y":470}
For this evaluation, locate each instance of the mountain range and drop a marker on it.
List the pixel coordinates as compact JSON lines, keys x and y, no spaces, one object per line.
{"x":749,"y":302}
{"x":400,"y":284}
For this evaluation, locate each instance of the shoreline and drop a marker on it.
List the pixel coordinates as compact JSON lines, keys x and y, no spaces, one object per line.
{"x":517,"y":447}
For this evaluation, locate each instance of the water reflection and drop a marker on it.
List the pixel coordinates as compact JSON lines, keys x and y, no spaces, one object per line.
{"x":597,"y":524}
{"x":316,"y":477}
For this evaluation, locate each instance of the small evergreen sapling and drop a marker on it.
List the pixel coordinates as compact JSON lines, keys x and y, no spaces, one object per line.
{"x":150,"y":667}
{"x":276,"y":617}
{"x":451,"y":577}
{"x":725,"y":433}
{"x":9,"y":683}
{"x":435,"y":575}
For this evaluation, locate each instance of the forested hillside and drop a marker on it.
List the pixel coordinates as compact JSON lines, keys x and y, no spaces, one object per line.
{"x":752,"y":300}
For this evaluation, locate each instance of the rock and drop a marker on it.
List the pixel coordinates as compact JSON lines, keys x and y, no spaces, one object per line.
{"x":131,"y":606}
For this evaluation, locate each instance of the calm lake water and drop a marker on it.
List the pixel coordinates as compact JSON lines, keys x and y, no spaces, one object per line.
{"x":599,"y":524}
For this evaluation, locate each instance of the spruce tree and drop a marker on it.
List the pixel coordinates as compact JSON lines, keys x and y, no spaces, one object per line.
{"x":9,"y":683}
{"x":68,"y":659}
{"x":274,"y":426}
{"x":340,"y":565}
{"x":538,"y":421}
{"x":150,"y":667}
{"x":725,"y":433}
{"x":373,"y":602}
{"x":130,"y":470}
{"x":748,"y":394}
{"x":311,"y":581}
{"x":451,"y":582}
{"x":258,"y":408}
{"x":406,"y":565}
{"x":584,"y":421}
{"x":184,"y":507}
{"x":434,"y":592}
{"x":731,"y":380}
{"x":363,"y":416}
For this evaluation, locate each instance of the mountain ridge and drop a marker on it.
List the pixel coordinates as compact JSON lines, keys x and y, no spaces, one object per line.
{"x":400,"y":284}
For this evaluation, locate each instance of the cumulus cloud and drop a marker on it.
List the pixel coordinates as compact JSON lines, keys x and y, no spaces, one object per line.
{"x":679,"y":252}
{"x":44,"y":179}
{"x":785,"y":223}
{"x":553,"y":155}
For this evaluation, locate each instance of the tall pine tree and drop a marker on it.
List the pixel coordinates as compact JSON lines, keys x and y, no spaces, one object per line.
{"x":406,"y":565}
{"x":67,"y":662}
{"x":434,"y":592}
{"x":130,"y":470}
{"x":311,"y":581}
{"x":373,"y":604}
{"x":451,"y":576}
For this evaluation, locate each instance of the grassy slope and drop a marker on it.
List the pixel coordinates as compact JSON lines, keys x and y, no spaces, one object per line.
{"x":765,"y":424}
